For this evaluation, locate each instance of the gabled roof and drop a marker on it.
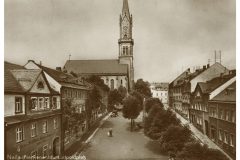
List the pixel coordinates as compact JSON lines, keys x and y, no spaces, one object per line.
{"x":65,"y":79}
{"x":10,"y":83}
{"x":57,"y":75}
{"x":227,"y":95}
{"x":26,"y":77}
{"x":180,"y":77}
{"x":97,"y":67}
{"x":209,"y":86}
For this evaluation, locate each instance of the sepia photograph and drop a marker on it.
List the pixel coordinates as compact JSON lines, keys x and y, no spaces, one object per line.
{"x":119,"y":80}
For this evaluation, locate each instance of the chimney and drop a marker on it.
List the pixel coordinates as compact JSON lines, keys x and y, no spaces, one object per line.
{"x":40,"y":63}
{"x":58,"y":68}
{"x":204,"y":67}
{"x":208,"y":65}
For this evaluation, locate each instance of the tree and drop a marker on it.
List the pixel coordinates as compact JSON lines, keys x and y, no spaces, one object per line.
{"x":96,"y":80}
{"x":149,"y":119}
{"x":131,"y":109}
{"x":174,"y":138}
{"x":122,"y":91}
{"x":196,"y":151}
{"x":114,"y":97}
{"x":143,"y":88}
{"x":93,"y":103}
{"x":151,"y":102}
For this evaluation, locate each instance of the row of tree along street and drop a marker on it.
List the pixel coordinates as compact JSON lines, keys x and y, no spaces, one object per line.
{"x":162,"y":125}
{"x":174,"y":138}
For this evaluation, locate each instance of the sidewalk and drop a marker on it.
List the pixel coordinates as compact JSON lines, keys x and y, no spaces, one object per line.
{"x":81,"y":143}
{"x":199,"y":135}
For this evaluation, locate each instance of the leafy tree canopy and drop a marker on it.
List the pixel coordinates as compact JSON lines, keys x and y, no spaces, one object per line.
{"x":152,"y":101}
{"x":143,"y":88}
{"x":174,"y":138}
{"x":131,"y":108}
{"x":96,"y":80}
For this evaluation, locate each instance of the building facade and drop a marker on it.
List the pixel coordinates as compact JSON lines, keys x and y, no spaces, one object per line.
{"x":183,"y":86}
{"x":160,"y":91}
{"x":199,"y":111}
{"x":32,"y":115}
{"x":222,"y":119}
{"x":115,"y":72}
{"x":73,"y":100}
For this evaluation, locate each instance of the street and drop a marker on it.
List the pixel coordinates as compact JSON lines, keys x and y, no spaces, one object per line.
{"x":123,"y":145}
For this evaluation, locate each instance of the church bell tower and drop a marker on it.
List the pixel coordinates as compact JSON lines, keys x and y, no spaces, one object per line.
{"x":126,"y":42}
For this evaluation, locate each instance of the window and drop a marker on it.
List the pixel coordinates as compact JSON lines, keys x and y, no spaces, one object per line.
{"x":40,"y":102}
{"x":44,"y":127}
{"x":34,"y":155}
{"x":19,"y":134}
{"x":40,"y":85}
{"x":55,"y":123}
{"x":18,"y":105}
{"x":54,"y":102}
{"x":45,"y":148}
{"x":220,"y":135}
{"x":112,"y":84}
{"x":34,"y":103}
{"x":227,"y":116}
{"x":46,"y":102}
{"x":231,"y":140}
{"x":221,"y":114}
{"x":232,"y":116}
{"x":226,"y":137}
{"x":126,"y":50}
{"x":33,"y":130}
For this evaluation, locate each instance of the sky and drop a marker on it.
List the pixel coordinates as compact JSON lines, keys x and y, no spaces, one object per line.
{"x":170,"y":35}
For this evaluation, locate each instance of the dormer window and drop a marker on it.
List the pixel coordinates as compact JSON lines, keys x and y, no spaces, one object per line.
{"x":40,"y":85}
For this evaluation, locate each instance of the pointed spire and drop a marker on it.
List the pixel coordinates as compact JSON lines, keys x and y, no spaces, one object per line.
{"x":125,"y":9}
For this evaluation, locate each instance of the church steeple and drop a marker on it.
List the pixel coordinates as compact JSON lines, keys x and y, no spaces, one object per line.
{"x":125,"y":9}
{"x":126,"y":42}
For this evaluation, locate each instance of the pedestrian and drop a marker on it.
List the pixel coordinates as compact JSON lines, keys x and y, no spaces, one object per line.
{"x":110,"y":132}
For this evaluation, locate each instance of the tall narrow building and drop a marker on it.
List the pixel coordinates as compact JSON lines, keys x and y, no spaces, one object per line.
{"x":114,"y":72}
{"x":126,"y":42}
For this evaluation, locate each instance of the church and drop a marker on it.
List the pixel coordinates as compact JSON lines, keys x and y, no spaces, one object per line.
{"x":114,"y":72}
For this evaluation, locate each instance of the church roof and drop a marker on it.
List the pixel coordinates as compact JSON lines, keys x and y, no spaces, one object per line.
{"x":97,"y":67}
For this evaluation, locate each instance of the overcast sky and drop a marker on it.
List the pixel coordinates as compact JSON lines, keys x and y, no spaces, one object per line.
{"x":169,"y":35}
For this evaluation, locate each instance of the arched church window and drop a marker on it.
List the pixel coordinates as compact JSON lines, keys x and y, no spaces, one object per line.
{"x":121,"y":81}
{"x":126,"y":50}
{"x":112,"y":84}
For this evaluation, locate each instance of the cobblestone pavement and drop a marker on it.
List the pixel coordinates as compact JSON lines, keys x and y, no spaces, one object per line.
{"x":124,"y":145}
